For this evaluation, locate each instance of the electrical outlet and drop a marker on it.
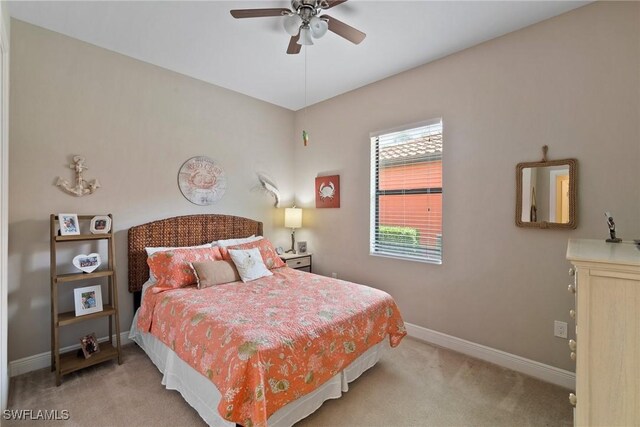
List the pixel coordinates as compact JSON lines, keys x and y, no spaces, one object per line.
{"x":334,"y":275}
{"x":560,"y":329}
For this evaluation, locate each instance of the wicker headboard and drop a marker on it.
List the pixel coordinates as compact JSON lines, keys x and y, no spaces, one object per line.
{"x":189,"y":230}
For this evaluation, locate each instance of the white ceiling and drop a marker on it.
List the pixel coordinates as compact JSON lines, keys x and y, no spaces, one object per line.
{"x":202,"y":40}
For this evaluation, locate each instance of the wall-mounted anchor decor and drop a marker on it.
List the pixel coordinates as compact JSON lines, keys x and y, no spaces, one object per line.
{"x":81,"y":187}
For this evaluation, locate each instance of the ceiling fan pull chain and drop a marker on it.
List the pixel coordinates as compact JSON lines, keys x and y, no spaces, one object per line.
{"x":305,"y":134}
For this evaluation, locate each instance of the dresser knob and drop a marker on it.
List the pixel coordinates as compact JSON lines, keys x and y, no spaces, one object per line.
{"x":573,"y":345}
{"x":573,"y":399}
{"x":572,"y":288}
{"x":572,"y":313}
{"x":572,"y":272}
{"x":573,"y":356}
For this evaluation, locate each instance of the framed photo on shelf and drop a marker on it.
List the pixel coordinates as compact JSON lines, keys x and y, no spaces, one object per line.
{"x":87,"y":263}
{"x":100,"y":224}
{"x":88,"y":300}
{"x":89,"y":344}
{"x":69,"y":225}
{"x":302,"y":247}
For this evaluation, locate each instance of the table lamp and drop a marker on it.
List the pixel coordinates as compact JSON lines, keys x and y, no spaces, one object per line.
{"x":293,"y":220}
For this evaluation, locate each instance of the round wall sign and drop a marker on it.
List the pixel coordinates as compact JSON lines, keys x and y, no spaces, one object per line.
{"x":202,"y":181}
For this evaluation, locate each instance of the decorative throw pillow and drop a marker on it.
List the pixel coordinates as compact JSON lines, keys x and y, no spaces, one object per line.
{"x":268,"y":252}
{"x":153,"y":250}
{"x":211,"y":273}
{"x":232,"y":242}
{"x":249,"y":264}
{"x":172,"y":269}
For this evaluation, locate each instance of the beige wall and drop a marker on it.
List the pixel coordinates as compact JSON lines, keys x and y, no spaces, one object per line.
{"x":572,"y":82}
{"x":136,"y":124}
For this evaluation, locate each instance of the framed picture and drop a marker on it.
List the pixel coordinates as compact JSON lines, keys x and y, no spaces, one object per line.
{"x":87,"y":263}
{"x":302,"y":247}
{"x":100,"y":224}
{"x":88,"y":300}
{"x":328,"y":191}
{"x":68,"y":224}
{"x":89,"y":344}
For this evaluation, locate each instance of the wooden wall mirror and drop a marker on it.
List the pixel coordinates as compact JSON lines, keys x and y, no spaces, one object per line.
{"x":546,"y":193}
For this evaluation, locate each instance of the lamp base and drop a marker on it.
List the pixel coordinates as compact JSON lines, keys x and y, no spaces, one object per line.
{"x":293,"y":242}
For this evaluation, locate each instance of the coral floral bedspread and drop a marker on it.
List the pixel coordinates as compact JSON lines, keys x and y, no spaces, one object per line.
{"x":267,"y":342}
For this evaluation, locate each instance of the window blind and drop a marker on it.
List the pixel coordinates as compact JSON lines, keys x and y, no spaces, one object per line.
{"x":406,"y":193}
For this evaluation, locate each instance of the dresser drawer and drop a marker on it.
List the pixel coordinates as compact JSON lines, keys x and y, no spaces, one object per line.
{"x":299,"y":262}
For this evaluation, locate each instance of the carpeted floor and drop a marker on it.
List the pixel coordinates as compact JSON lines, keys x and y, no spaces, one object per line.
{"x":416,"y":384}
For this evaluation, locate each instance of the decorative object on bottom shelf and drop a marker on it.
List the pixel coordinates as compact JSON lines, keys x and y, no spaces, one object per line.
{"x":69,"y":225}
{"x":88,"y":300}
{"x":87,"y":263}
{"x":302,"y":247}
{"x":100,"y":224}
{"x":89,"y":344}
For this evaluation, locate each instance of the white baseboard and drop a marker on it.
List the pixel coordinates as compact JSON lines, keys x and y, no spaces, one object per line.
{"x":43,"y":360}
{"x":529,"y":367}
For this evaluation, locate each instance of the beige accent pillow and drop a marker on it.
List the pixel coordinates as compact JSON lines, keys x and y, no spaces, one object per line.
{"x":212,"y":273}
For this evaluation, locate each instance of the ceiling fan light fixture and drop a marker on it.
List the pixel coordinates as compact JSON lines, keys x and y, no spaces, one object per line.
{"x":305,"y":36}
{"x":319,"y":27}
{"x":292,"y":24}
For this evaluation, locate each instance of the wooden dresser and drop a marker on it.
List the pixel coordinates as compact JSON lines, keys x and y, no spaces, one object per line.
{"x":607,"y":345}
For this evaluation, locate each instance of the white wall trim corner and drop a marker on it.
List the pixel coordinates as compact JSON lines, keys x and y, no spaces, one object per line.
{"x":4,"y":202}
{"x":520,"y":364}
{"x":43,"y":360}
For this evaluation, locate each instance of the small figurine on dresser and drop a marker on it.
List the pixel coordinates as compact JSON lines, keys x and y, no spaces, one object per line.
{"x":612,"y":229}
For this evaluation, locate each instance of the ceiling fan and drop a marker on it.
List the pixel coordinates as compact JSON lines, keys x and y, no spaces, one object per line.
{"x":304,"y":22}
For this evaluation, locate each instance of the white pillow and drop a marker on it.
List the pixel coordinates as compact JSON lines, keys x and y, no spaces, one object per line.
{"x":232,"y":242}
{"x":249,"y":264}
{"x":151,"y":251}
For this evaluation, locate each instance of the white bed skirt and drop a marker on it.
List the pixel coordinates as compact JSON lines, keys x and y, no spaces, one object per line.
{"x":204,"y":397}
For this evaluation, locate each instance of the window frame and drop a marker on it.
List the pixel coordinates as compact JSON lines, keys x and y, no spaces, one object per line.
{"x":375,"y":193}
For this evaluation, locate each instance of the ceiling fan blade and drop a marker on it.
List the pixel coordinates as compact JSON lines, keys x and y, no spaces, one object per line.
{"x":258,"y":13}
{"x":344,"y":30}
{"x":328,"y":4}
{"x":294,"y":47}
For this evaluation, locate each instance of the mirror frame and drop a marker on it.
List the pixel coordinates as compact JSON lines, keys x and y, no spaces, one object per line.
{"x":573,"y":194}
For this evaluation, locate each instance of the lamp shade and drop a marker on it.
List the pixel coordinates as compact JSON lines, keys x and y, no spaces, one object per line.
{"x":318,"y":27}
{"x":292,"y":24}
{"x":293,"y":217}
{"x":305,"y":36}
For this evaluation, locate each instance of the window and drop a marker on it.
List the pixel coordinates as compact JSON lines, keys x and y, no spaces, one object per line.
{"x":406,"y":193}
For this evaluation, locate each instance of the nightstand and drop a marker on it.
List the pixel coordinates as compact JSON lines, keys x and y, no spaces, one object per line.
{"x":298,"y":261}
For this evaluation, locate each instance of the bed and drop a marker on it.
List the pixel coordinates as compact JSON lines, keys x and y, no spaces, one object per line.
{"x":265,"y":352}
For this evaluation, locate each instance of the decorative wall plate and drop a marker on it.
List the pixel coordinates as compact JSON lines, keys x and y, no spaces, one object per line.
{"x":202,"y":181}
{"x":87,"y":263}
